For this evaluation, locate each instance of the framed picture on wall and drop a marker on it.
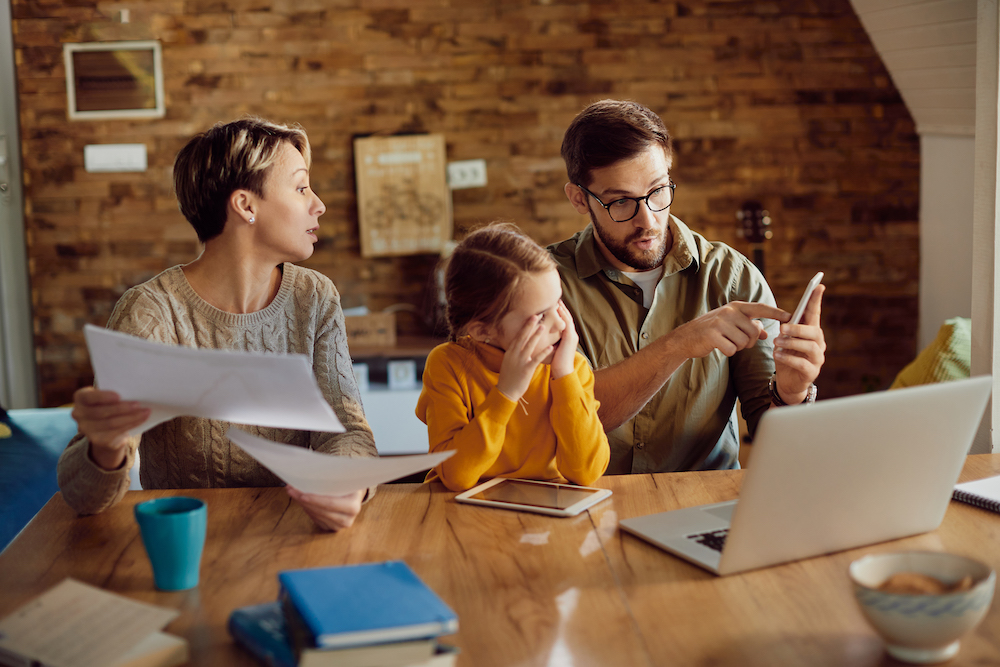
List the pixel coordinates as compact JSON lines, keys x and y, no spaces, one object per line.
{"x":404,"y":204}
{"x":114,"y":80}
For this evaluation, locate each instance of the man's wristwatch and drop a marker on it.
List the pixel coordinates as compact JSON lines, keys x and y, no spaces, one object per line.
{"x":772,"y":389}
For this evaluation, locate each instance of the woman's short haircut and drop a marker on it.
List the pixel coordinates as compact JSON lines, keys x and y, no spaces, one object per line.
{"x":610,"y":131}
{"x":226,"y":158}
{"x":485,"y":272}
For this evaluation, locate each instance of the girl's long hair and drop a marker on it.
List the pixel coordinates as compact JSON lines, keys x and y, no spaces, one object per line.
{"x":484,"y":274}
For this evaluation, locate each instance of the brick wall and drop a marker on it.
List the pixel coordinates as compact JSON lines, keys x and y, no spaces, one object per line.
{"x":783,"y":102}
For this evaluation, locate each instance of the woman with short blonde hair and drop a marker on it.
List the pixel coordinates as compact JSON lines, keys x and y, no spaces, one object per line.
{"x":244,"y":187}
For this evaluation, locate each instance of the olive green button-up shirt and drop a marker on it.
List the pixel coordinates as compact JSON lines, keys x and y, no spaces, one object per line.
{"x":690,"y":423}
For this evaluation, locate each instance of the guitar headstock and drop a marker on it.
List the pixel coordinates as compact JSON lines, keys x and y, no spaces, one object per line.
{"x":754,"y":222}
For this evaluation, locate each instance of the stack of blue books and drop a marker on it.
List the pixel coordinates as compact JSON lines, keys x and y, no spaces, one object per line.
{"x":368,"y":615}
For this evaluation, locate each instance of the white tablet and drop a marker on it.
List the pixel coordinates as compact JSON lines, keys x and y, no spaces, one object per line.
{"x":532,"y":496}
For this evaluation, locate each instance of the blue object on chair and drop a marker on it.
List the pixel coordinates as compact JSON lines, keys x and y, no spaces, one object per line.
{"x":28,"y":465}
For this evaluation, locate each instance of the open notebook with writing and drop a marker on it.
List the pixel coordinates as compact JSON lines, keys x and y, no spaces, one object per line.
{"x":983,"y":493}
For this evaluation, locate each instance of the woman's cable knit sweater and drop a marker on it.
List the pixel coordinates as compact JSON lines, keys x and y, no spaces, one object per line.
{"x":190,"y":452}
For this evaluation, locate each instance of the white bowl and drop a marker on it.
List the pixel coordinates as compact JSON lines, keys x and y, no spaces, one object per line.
{"x":922,"y":629}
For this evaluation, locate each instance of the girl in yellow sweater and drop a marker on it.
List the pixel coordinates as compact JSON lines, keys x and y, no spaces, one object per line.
{"x":509,"y":392}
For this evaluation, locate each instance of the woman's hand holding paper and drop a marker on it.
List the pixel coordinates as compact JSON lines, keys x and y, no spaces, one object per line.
{"x":106,"y":420}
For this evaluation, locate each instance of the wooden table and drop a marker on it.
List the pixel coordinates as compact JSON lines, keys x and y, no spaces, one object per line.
{"x":528,"y":589}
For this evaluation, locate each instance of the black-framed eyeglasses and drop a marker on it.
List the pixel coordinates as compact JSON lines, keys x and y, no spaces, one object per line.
{"x":624,"y":209}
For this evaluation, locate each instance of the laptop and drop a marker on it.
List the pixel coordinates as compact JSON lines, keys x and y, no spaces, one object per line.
{"x":833,"y":475}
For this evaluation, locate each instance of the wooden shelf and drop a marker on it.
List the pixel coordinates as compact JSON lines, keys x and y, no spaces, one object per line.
{"x":406,"y":346}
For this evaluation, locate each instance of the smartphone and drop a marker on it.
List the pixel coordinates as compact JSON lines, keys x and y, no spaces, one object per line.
{"x":801,"y":308}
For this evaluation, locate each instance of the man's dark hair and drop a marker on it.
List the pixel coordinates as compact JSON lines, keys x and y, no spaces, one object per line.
{"x":607,"y":132}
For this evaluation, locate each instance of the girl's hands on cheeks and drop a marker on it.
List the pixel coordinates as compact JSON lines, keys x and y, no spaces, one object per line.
{"x":329,"y":512}
{"x":106,"y":420}
{"x":562,"y":360}
{"x":521,"y":359}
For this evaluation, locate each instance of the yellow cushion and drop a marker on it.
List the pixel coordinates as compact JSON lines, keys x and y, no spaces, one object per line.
{"x":948,"y":357}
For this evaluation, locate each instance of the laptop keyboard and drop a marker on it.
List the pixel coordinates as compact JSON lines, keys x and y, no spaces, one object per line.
{"x":713,"y":539}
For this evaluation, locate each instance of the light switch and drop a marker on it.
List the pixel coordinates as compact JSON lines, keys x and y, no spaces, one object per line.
{"x":114,"y":157}
{"x":402,"y":374}
{"x":466,"y":174}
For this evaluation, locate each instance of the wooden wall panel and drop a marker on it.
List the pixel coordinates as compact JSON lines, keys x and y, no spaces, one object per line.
{"x":784,"y":102}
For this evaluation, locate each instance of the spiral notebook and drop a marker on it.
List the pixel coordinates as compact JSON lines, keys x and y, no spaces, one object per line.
{"x":983,"y":493}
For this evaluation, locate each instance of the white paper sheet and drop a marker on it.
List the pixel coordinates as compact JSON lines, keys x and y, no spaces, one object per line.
{"x":277,"y":390}
{"x":313,"y":472}
{"x":78,"y":625}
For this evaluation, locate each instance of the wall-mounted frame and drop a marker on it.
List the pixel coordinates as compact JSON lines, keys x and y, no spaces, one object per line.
{"x":404,"y":204}
{"x":114,"y":80}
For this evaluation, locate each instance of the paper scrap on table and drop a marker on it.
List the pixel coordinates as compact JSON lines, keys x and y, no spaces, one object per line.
{"x":276,"y":390}
{"x":314,"y":472}
{"x":78,"y":625}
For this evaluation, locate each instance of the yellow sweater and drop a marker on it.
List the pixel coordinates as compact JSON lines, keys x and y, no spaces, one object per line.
{"x":555,"y":436}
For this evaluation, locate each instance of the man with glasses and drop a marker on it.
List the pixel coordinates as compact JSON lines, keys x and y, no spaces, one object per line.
{"x":668,"y":319}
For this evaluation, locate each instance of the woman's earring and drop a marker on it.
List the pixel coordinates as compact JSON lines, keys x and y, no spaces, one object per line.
{"x":252,"y":220}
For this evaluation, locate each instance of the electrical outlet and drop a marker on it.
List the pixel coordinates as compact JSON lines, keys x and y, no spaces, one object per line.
{"x":114,"y":157}
{"x":466,"y":174}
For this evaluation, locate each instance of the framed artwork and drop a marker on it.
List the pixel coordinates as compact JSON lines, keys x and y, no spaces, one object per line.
{"x":404,"y":204}
{"x":114,"y":80}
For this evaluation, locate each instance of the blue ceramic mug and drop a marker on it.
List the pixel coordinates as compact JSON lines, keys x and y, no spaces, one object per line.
{"x":173,"y":532}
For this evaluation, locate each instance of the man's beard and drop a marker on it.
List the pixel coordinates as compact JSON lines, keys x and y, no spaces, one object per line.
{"x":643,"y":261}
